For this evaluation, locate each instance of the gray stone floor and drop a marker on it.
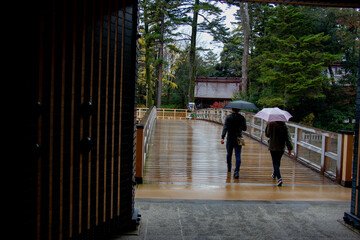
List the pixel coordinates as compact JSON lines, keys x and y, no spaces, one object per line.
{"x":207,"y":219}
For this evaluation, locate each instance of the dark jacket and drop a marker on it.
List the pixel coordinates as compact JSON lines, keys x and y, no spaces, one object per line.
{"x":234,"y":125}
{"x":279,"y":136}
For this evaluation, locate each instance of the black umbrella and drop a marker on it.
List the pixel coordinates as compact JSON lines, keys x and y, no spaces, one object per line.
{"x":241,"y":105}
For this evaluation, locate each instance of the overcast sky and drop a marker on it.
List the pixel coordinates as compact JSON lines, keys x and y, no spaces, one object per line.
{"x":205,"y":40}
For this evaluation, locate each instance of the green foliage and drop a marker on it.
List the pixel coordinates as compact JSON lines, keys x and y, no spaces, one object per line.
{"x":291,"y":47}
{"x":176,"y":14}
{"x":308,"y":120}
{"x":172,"y":106}
{"x":291,"y":60}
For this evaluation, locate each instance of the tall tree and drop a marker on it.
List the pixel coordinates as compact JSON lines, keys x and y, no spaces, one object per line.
{"x":212,"y":23}
{"x":230,"y":58}
{"x":167,"y":18}
{"x":148,"y":43}
{"x":158,"y":20}
{"x":348,"y":33}
{"x":161,"y":16}
{"x":291,"y":60}
{"x":192,"y":54}
{"x":240,"y":45}
{"x":246,"y":27}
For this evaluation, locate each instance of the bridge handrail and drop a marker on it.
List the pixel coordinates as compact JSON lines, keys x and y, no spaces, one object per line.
{"x":167,"y":113}
{"x":140,"y":113}
{"x":163,"y":113}
{"x":143,"y":135}
{"x":318,"y":149}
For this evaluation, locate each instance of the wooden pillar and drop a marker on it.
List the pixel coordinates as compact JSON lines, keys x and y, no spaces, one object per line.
{"x":325,"y":161}
{"x":262,"y":131}
{"x":345,"y":174}
{"x":252,"y":120}
{"x":298,"y":134}
{"x":139,"y":153}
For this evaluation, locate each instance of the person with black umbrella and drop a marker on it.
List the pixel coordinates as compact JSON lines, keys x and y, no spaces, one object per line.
{"x":234,"y":124}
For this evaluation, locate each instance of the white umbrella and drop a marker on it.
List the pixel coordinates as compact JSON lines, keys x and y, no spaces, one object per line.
{"x":273,"y":114}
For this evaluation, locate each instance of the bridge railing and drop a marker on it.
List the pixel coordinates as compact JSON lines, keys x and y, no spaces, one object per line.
{"x":163,"y":113}
{"x":320,"y":150}
{"x":140,"y":113}
{"x":144,"y":130}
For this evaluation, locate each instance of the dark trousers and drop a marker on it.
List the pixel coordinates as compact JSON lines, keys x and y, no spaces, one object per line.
{"x":276,"y":159}
{"x":229,"y":147}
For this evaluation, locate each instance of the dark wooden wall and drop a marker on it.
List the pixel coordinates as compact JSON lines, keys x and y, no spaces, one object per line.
{"x":78,"y":117}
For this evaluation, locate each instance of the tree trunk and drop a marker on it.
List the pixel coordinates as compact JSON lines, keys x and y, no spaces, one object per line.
{"x":160,"y":65}
{"x":193,"y":53}
{"x":246,"y":26}
{"x":149,"y":99}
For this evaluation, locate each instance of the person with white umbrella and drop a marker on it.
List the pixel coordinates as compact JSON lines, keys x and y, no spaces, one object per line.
{"x":279,"y":137}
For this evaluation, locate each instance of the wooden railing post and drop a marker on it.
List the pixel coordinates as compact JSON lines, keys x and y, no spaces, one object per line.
{"x":298,"y":133}
{"x":222,"y":116}
{"x":262,"y":131}
{"x":325,"y":146}
{"x":327,"y":149}
{"x":143,"y":135}
{"x":344,"y":177}
{"x":252,"y":124}
{"x":323,"y":150}
{"x":139,"y":153}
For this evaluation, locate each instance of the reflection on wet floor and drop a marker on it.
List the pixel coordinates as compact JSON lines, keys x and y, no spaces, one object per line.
{"x":186,"y":157}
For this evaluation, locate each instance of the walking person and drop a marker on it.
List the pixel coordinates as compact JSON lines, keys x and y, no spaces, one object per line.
{"x":279,"y":137}
{"x":234,"y":124}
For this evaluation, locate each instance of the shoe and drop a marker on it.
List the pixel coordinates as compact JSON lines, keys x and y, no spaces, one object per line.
{"x":280,"y":182}
{"x":236,"y":174}
{"x":273,"y":176}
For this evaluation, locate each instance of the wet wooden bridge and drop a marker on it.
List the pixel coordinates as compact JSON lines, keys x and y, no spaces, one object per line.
{"x":185,"y":160}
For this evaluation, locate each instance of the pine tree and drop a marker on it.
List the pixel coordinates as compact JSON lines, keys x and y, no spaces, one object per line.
{"x":291,"y":60}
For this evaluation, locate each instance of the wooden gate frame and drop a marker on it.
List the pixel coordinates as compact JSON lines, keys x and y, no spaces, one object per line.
{"x":75,"y":84}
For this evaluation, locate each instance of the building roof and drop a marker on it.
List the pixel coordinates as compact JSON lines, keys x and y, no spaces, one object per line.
{"x":216,"y":88}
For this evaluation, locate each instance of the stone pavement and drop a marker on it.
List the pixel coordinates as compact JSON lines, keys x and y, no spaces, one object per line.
{"x":172,"y":219}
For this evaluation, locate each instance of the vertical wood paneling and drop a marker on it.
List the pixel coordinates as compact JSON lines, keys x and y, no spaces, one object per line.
{"x":83,"y":190}
{"x":82,"y":98}
{"x":113,"y":111}
{"x":90,"y":179}
{"x":51,"y":123}
{"x":72,"y":123}
{"x":106,"y":106}
{"x":356,"y":212}
{"x":62,"y":120}
{"x":356,"y":167}
{"x":122,"y":14}
{"x":39,"y":133}
{"x":98,"y":115}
